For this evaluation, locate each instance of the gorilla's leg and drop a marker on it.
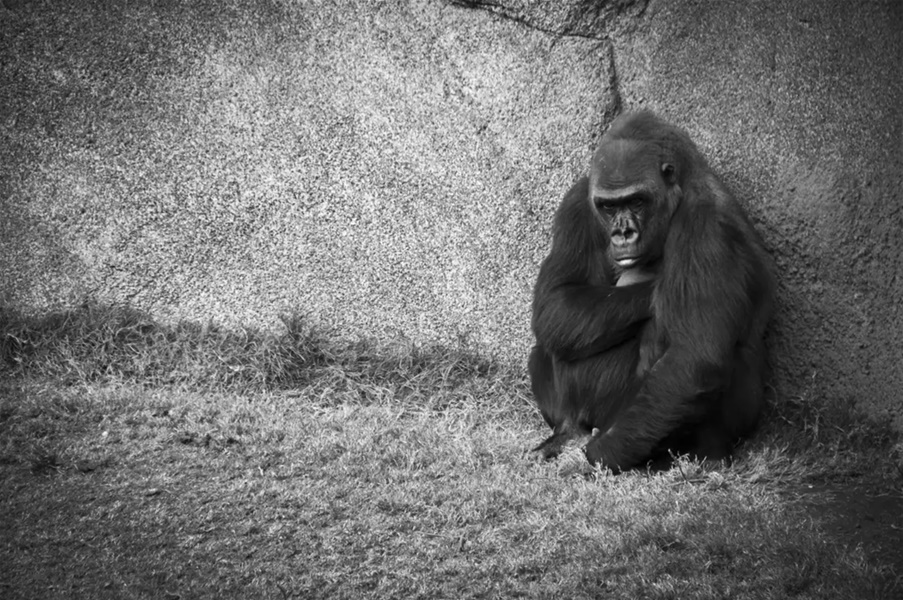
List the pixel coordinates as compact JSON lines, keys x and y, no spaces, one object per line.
{"x":577,"y":396}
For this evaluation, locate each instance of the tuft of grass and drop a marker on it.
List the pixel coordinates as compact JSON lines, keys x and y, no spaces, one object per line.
{"x":95,"y":343}
{"x":106,"y":343}
{"x":832,"y":439}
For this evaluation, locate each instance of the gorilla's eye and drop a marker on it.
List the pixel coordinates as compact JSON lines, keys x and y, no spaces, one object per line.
{"x":668,"y":171}
{"x":607,"y":209}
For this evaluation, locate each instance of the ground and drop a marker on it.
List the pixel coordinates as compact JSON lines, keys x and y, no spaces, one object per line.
{"x":860,"y":514}
{"x":148,"y":461}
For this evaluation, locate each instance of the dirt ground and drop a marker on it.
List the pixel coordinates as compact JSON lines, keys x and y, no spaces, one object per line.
{"x":865,"y":515}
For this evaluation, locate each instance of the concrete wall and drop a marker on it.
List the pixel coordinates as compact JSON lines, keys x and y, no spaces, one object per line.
{"x":392,"y":168}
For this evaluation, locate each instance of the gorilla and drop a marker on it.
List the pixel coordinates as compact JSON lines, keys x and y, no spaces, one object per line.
{"x":650,"y":309}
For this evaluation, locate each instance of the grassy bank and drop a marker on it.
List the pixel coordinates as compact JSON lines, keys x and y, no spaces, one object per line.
{"x":151,"y":461}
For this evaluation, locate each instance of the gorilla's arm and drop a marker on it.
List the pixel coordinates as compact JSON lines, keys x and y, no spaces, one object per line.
{"x":577,"y":309}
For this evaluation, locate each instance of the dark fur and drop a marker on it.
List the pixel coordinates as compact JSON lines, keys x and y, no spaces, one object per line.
{"x":699,"y":323}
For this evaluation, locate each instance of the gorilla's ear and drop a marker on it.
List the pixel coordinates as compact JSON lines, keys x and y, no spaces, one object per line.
{"x":669,"y":173}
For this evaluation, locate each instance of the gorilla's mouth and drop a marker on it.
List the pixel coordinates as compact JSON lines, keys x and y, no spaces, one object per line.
{"x":627,"y":261}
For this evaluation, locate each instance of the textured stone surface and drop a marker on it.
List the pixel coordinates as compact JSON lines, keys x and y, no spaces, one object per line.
{"x":392,"y":168}
{"x":385,"y":170}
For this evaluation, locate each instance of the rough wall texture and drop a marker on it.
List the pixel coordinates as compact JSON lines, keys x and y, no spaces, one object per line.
{"x":384,"y":170}
{"x":392,"y":168}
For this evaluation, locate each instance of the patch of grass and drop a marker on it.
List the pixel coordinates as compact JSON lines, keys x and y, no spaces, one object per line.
{"x":104,"y":343}
{"x":114,"y":343}
{"x":833,"y":439}
{"x":349,"y":470}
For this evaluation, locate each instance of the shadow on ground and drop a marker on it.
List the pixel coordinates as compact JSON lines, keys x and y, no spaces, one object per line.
{"x":866,"y":516}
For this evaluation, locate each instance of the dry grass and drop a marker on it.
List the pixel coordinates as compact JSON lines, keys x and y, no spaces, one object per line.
{"x":139,"y":460}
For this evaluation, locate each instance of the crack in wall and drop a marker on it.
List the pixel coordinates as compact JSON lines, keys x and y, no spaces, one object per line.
{"x":505,"y":12}
{"x":614,"y":84}
{"x":580,"y":22}
{"x":587,"y":19}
